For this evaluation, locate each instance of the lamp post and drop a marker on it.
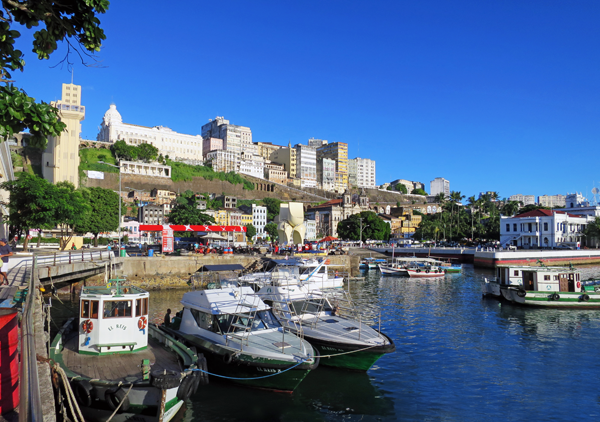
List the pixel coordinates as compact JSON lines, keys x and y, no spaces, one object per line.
{"x":361,"y":229}
{"x":119,"y":229}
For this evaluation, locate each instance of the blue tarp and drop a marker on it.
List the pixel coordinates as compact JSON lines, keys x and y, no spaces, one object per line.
{"x":223,"y":267}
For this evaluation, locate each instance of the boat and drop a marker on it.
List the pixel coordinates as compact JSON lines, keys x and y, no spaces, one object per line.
{"x":368,"y":264}
{"x":413,"y":267}
{"x":328,"y":320}
{"x":241,"y":339}
{"x":116,"y":365}
{"x":542,"y":286}
{"x":397,"y":266}
{"x":448,"y":266}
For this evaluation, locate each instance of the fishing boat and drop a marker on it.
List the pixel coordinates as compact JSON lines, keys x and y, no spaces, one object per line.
{"x":328,"y":320}
{"x":368,"y":264}
{"x":448,"y":265}
{"x":241,"y":339}
{"x":116,"y":365}
{"x":397,"y":267}
{"x":546,"y":287}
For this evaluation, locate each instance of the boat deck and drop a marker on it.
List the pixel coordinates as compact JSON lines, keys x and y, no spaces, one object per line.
{"x":119,"y":366}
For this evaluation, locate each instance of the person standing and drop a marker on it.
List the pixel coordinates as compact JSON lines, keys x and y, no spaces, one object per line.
{"x":5,"y":252}
{"x":167,"y":320}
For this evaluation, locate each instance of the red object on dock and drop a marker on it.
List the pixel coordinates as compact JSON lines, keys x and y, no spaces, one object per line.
{"x":9,"y":360}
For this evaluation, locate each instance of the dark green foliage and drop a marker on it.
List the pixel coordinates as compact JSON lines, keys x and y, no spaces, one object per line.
{"x":273,"y":205}
{"x":401,"y":188}
{"x":123,"y":151}
{"x":419,"y":192}
{"x":147,"y":152}
{"x":271,"y":229}
{"x":373,"y":227}
{"x":389,"y":187}
{"x":250,"y":231}
{"x":186,"y":212}
{"x":104,"y":216}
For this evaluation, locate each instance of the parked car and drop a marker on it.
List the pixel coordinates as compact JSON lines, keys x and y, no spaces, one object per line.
{"x":565,"y":246}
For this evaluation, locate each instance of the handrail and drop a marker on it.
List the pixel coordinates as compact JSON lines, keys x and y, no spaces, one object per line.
{"x":30,"y":409}
{"x":69,"y":257}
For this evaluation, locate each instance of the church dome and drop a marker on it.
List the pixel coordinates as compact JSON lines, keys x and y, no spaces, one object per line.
{"x":112,"y":115}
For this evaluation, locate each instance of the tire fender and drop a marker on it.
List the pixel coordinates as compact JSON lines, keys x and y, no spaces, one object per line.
{"x":84,"y":392}
{"x":115,"y":396}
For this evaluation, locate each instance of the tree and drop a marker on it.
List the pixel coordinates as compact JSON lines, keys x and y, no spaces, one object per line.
{"x":271,"y":229}
{"x":105,"y":214}
{"x":510,"y":208}
{"x":389,"y":187}
{"x":186,"y":212}
{"x":147,"y":152}
{"x":123,"y":151}
{"x":273,"y":205}
{"x":401,"y":188}
{"x":419,"y":192}
{"x":63,"y":21}
{"x":592,"y":232}
{"x":70,"y":209}
{"x":250,"y":231}
{"x":373,"y":227}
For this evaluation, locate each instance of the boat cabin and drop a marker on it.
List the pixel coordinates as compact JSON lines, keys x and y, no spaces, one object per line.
{"x":552,"y":279}
{"x":113,"y":319}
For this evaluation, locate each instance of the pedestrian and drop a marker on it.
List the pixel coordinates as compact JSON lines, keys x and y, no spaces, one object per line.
{"x":73,"y":247}
{"x":5,"y":252}
{"x":167,"y":321}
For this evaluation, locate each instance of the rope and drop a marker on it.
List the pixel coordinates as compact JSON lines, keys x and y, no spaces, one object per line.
{"x":254,"y":378}
{"x":69,"y":392}
{"x":347,"y":353}
{"x":120,"y":404}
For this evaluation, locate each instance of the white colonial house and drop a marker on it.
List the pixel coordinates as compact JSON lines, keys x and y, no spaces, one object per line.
{"x":543,"y":229}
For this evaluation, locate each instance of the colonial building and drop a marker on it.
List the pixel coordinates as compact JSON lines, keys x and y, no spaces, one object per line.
{"x":252,"y":164}
{"x":328,"y":215}
{"x":543,"y":229}
{"x":259,"y":218}
{"x":178,"y":146}
{"x":60,"y":160}
{"x":275,"y":173}
{"x":145,"y":169}
{"x":265,"y":149}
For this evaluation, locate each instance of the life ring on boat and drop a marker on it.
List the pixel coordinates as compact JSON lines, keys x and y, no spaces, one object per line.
{"x":164,"y":379}
{"x":142,"y":322}
{"x":186,"y":388}
{"x":114,"y":397}
{"x":521,"y":292}
{"x":84,"y":392}
{"x":227,"y":358}
{"x":584,"y":298}
{"x":87,"y":326}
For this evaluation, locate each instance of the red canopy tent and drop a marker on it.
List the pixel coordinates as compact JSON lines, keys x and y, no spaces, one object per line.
{"x":191,"y":228}
{"x":328,"y":239}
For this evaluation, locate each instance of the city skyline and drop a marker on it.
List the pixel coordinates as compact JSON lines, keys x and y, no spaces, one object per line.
{"x":492,"y":97}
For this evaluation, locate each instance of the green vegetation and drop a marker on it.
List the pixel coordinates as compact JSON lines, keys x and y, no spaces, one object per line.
{"x":419,"y":192}
{"x":273,"y":205}
{"x":250,"y":231}
{"x":373,"y":227}
{"x":186,"y":172}
{"x":271,"y":229}
{"x":187,"y":212}
{"x":401,"y":188}
{"x":89,"y":157}
{"x":105,"y":214}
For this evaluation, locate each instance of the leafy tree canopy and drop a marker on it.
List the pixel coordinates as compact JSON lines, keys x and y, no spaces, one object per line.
{"x":419,"y":192}
{"x":147,"y":152}
{"x":401,"y":188}
{"x":250,"y":231}
{"x":186,"y":212}
{"x":105,"y":212}
{"x":271,"y":228}
{"x":62,"y":21}
{"x":373,"y":227}
{"x":273,"y":205}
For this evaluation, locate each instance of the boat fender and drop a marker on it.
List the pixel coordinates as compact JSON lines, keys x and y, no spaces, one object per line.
{"x":555,"y":296}
{"x":445,"y":271}
{"x":227,"y":358}
{"x":84,"y":392}
{"x":114,"y":397}
{"x":521,"y":292}
{"x":202,"y":376}
{"x":427,"y":271}
{"x":436,"y":271}
{"x":164,"y":379}
{"x":418,"y":270}
{"x":584,"y":298}
{"x":187,"y":386}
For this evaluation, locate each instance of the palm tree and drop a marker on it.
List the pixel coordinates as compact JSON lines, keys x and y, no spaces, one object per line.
{"x":455,"y":197}
{"x":472,"y":205}
{"x":510,"y":208}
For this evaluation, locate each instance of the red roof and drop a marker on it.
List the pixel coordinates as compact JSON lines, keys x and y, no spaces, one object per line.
{"x":327,"y":204}
{"x":543,"y":213}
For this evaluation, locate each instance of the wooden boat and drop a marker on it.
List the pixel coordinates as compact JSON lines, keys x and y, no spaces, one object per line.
{"x":242,"y":340}
{"x":119,"y":367}
{"x":545,"y":287}
{"x":368,"y":264}
{"x":414,"y":267}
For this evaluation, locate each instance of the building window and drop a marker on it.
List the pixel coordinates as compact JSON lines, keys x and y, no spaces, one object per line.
{"x":508,"y":227}
{"x":545,"y":226}
{"x":515,"y":227}
{"x":546,"y":278}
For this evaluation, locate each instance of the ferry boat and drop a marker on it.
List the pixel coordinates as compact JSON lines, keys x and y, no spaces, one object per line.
{"x":555,"y":287}
{"x":329,"y":321}
{"x":241,"y":339}
{"x":118,"y":366}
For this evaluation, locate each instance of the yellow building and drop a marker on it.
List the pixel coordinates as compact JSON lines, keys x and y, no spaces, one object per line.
{"x":60,"y":160}
{"x":246,"y":219}
{"x":287,"y":157}
{"x":337,"y":151}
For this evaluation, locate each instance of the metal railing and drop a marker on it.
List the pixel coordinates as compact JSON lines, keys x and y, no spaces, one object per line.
{"x":69,"y":257}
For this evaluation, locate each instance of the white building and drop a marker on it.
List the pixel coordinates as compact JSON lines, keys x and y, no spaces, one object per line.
{"x":259,"y":220}
{"x":311,"y":230}
{"x":235,"y":138}
{"x":145,"y":169}
{"x":326,"y":174}
{"x":361,"y":173}
{"x":178,"y":146}
{"x":306,"y":167}
{"x":552,"y":201}
{"x":224,"y":161}
{"x":439,"y":185}
{"x":543,"y":229}
{"x":252,"y":164}
{"x":132,"y":230}
{"x":523,"y":199}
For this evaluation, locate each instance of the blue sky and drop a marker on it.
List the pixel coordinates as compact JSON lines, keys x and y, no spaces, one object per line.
{"x":491,"y":95}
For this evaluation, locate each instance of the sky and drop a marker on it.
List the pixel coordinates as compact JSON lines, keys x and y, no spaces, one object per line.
{"x":491,"y":95}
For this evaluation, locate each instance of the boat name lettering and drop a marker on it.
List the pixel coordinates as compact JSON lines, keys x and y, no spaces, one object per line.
{"x":268,"y":370}
{"x":121,"y":326}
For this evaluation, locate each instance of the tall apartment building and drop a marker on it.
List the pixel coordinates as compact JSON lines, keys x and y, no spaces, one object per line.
{"x":178,"y":146}
{"x":552,"y":201}
{"x":337,"y":151}
{"x":224,"y":161}
{"x":439,"y":185}
{"x":306,"y":165}
{"x":264,"y":149}
{"x":60,"y":160}
{"x":287,"y":157}
{"x":211,"y":144}
{"x":523,"y":199}
{"x":235,"y":138}
{"x":361,"y":173}
{"x":326,"y":174}
{"x":316,"y":143}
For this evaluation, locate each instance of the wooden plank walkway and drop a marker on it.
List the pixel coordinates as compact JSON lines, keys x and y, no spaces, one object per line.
{"x":118,"y":366}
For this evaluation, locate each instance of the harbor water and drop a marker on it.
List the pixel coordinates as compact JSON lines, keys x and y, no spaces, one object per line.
{"x":459,"y":357}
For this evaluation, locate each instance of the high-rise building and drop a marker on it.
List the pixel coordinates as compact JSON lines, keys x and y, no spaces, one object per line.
{"x":306,"y":165}
{"x":235,"y":138}
{"x":552,"y":201}
{"x":439,"y":185}
{"x":264,"y":149}
{"x":316,"y":143}
{"x":287,"y":157}
{"x":361,"y":173}
{"x":523,"y":199}
{"x":326,"y":174}
{"x":60,"y":160}
{"x":337,"y":151}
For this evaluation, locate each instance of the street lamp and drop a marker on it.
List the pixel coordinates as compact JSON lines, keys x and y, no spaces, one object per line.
{"x":361,"y":229}
{"x":119,"y":229}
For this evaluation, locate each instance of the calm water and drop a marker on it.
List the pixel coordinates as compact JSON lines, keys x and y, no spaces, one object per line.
{"x":459,"y":358}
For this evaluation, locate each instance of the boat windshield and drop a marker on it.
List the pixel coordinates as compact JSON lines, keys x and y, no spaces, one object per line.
{"x":263,"y":320}
{"x":301,"y":307}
